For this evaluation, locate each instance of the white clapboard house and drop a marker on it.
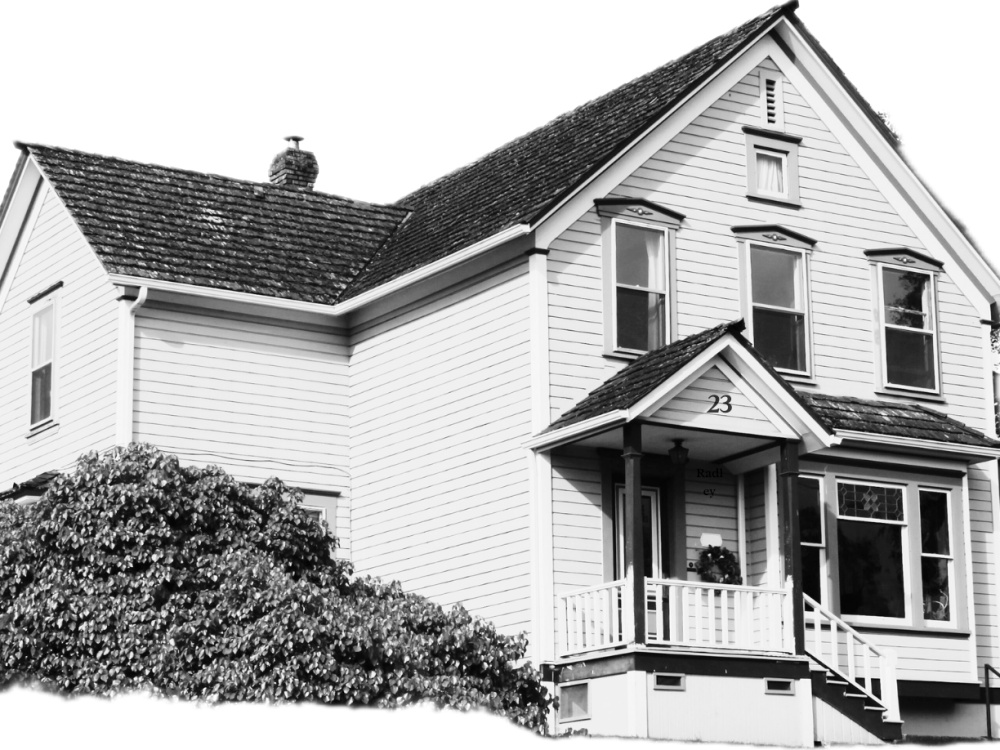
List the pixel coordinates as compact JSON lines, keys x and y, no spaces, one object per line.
{"x":712,"y":308}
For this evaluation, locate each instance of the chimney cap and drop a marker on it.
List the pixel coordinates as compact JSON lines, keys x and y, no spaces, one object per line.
{"x":296,"y":139}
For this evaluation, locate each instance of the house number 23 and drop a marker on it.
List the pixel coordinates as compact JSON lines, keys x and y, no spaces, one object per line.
{"x":720,"y":404}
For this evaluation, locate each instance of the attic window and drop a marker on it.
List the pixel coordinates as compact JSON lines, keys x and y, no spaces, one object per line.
{"x":772,"y":166}
{"x":771,"y":101}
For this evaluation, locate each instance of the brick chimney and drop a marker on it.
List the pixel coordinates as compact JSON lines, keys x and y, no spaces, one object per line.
{"x":294,"y":167}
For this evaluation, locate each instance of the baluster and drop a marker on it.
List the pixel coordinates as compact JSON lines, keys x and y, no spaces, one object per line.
{"x":606,"y":616}
{"x":868,"y":669}
{"x":658,"y":597}
{"x":685,"y":616}
{"x":615,"y":614}
{"x":697,"y":615}
{"x":738,"y":599}
{"x":834,"y":638}
{"x":563,"y":634}
{"x":852,"y":671}
{"x":710,"y":596}
{"x":578,"y":620}
{"x":817,"y":627}
{"x":592,"y":618}
{"x":724,"y":616}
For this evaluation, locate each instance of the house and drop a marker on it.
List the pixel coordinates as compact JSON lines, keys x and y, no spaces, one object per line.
{"x":712,"y":315}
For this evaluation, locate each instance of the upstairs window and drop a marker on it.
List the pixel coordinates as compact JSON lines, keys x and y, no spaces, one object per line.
{"x":640,"y":287}
{"x":43,"y":356}
{"x":779,"y":310}
{"x":909,"y":328}
{"x":638,"y":241}
{"x":772,"y":165}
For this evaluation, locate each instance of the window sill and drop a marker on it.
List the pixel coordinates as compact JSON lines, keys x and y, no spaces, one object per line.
{"x":624,"y":356}
{"x":773,"y":201}
{"x":911,"y":395}
{"x":916,"y":629}
{"x":38,"y":429}
{"x":797,"y":378}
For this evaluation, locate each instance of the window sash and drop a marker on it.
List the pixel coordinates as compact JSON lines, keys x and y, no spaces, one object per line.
{"x":42,"y":362}
{"x":772,"y":172}
{"x":926,"y":379}
{"x":794,"y":355}
{"x":654,"y":333}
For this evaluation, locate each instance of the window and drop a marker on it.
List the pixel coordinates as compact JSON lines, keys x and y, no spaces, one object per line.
{"x":43,"y":355}
{"x":871,"y":550}
{"x":573,"y":700}
{"x":936,"y":558}
{"x":909,"y":328}
{"x":777,"y":283}
{"x":638,"y":237}
{"x":772,"y":165}
{"x":812,"y":536}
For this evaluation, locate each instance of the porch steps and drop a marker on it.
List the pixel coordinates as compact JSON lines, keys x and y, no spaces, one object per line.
{"x":857,"y":707}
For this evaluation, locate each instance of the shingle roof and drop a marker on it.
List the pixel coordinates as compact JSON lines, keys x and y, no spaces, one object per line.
{"x":193,"y":228}
{"x":640,"y":377}
{"x":518,"y":182}
{"x":35,"y":485}
{"x":893,"y":420}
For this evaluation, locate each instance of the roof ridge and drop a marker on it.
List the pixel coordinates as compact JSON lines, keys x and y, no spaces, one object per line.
{"x":211,"y":175}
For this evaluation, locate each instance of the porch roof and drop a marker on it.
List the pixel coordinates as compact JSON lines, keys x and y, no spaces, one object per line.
{"x":839,"y":417}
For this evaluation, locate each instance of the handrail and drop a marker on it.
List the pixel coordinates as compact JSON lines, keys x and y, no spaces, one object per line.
{"x":987,"y":668}
{"x":853,"y":641}
{"x":847,"y":628}
{"x":705,"y":585}
{"x":593,"y":589}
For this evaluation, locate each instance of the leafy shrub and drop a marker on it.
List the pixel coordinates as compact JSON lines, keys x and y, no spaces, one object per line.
{"x":135,"y":572}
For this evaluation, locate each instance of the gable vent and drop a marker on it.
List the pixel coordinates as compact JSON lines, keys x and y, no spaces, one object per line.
{"x":771,"y":100}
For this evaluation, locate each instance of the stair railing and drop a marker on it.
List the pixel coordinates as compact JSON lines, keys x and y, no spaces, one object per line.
{"x":842,"y":650}
{"x":987,"y":668}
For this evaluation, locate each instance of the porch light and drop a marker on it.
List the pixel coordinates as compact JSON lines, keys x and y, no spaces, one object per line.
{"x":678,"y":454}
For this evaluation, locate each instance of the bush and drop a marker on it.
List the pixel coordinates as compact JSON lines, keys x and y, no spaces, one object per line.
{"x":135,"y":572}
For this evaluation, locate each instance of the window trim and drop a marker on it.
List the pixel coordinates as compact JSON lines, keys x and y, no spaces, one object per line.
{"x":49,"y":299}
{"x":567,"y":719}
{"x":950,"y":623}
{"x":932,"y":313}
{"x":644,"y":215}
{"x":822,"y":545}
{"x":773,"y":141}
{"x":779,"y":238}
{"x":615,"y":286}
{"x":905,"y":549}
{"x":805,"y":301}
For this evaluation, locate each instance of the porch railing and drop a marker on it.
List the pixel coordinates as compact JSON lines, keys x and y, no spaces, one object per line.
{"x":715,"y":615}
{"x":834,"y":644}
{"x":593,"y":618}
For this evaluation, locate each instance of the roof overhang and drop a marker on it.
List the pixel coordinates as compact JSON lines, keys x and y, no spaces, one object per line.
{"x":774,"y":411}
{"x":893,"y":443}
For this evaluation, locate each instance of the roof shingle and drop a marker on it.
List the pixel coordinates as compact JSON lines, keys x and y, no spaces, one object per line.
{"x":193,"y":228}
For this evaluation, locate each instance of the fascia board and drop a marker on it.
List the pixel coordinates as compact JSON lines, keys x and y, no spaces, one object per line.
{"x":649,"y":142}
{"x":577,"y":431}
{"x":431,"y":269}
{"x":887,"y":169}
{"x":221,"y":294}
{"x":919,"y":444}
{"x":17,"y":221}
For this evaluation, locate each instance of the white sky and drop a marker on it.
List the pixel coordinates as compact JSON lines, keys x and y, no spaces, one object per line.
{"x":391,"y":95}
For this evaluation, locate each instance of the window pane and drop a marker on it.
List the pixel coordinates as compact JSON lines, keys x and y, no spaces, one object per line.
{"x":871,"y":569}
{"x":770,"y":173}
{"x":863,"y":501}
{"x":937,"y":604}
{"x":573,"y":701}
{"x":780,"y":338}
{"x":641,"y":319}
{"x":904,"y":295}
{"x":934,"y":523}
{"x":810,"y":519}
{"x":775,"y":277}
{"x":909,"y":358}
{"x":810,"y":572}
{"x":41,"y":393}
{"x":41,"y":336}
{"x":639,"y":259}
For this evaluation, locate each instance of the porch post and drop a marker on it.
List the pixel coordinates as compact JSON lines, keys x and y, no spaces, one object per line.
{"x":677,"y":511}
{"x":634,"y":552}
{"x":788,"y":502}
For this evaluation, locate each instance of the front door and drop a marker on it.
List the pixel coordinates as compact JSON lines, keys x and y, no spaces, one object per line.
{"x":652,"y":533}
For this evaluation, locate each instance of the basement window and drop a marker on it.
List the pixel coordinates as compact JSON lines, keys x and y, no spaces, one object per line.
{"x":779,"y":687}
{"x":573,"y":702}
{"x":669,"y":682}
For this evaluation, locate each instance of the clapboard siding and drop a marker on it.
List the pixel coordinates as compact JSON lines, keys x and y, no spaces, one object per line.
{"x":258,"y":397}
{"x":440,"y":406}
{"x":710,"y":508}
{"x":86,"y":344}
{"x":702,"y":174}
{"x":691,"y":407}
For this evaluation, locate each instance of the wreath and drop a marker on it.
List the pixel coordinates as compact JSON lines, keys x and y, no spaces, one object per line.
{"x":718,"y":565}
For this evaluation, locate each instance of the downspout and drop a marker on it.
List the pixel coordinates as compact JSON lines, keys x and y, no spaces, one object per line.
{"x":127,"y":309}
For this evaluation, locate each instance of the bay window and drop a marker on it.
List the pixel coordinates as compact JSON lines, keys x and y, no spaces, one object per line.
{"x":936,"y":559}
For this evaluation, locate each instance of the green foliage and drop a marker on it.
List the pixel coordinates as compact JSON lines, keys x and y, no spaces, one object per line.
{"x":136,"y":572}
